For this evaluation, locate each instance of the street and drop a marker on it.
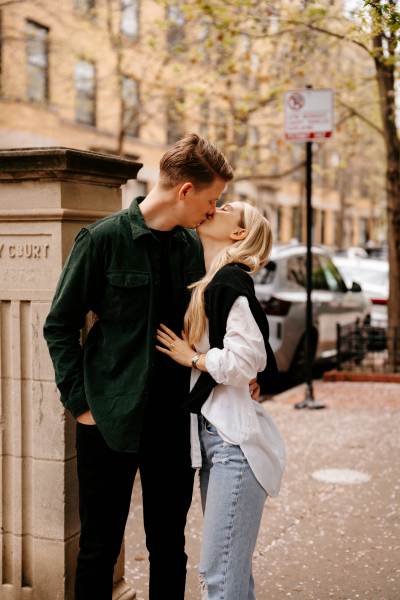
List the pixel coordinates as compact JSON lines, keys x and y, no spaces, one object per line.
{"x":317,"y":540}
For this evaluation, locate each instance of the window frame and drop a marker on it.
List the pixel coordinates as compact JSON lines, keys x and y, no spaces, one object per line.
{"x":88,"y":12}
{"x":136,"y":129}
{"x":92,"y":123}
{"x":173,"y":129}
{"x":176,"y":30}
{"x":45,"y":69}
{"x":136,"y":6}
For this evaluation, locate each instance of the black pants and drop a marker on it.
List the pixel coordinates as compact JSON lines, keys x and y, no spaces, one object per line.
{"x":106,"y":479}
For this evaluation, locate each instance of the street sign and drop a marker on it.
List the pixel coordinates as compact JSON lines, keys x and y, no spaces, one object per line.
{"x":308,"y":114}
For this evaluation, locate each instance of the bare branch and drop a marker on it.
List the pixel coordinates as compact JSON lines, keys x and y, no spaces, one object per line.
{"x":10,"y":2}
{"x":274,"y":176}
{"x":355,"y":113}
{"x":332,"y":33}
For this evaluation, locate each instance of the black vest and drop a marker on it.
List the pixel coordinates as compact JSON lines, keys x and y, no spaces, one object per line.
{"x":228,"y":284}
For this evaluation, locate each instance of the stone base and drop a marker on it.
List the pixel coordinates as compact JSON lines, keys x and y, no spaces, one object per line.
{"x":122,"y":591}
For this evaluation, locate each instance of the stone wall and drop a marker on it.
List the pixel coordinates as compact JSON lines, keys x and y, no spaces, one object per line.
{"x":46,"y":197}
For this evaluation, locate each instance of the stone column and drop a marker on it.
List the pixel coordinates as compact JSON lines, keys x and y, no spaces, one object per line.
{"x":46,"y":196}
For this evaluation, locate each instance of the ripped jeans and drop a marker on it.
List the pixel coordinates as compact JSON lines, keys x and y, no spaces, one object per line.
{"x":233,"y":502}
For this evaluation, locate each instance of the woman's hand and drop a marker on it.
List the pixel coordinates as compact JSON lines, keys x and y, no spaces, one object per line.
{"x":176,"y":348}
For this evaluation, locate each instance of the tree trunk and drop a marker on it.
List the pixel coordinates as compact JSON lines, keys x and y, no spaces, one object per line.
{"x":386,"y":83}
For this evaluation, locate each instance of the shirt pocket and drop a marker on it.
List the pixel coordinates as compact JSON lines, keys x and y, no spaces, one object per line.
{"x":127,"y":295}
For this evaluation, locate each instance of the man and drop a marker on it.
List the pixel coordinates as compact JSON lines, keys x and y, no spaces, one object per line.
{"x":132,"y":269}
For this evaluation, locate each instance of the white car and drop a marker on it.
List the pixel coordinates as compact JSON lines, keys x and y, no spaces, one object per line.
{"x":280,"y":288}
{"x":373,"y":276}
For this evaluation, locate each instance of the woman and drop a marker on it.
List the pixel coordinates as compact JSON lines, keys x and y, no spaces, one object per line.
{"x":225,"y":342}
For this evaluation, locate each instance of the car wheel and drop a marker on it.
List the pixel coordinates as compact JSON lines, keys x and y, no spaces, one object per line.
{"x":297,"y":371}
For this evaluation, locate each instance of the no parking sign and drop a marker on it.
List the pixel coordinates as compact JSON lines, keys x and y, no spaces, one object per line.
{"x":309,"y":114}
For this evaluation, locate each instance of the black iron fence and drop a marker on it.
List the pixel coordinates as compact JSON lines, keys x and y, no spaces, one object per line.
{"x":367,"y":347}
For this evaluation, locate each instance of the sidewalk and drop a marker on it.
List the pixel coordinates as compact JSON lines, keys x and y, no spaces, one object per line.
{"x":317,"y":540}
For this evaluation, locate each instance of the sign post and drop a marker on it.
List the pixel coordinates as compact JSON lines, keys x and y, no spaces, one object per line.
{"x":308,"y":117}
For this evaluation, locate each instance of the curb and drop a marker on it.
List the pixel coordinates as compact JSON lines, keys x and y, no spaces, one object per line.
{"x":336,"y":375}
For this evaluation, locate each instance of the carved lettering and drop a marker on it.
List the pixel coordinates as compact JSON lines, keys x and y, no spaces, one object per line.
{"x":25,"y":262}
{"x":26,"y":250}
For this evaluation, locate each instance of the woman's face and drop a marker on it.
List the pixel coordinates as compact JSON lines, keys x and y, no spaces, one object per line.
{"x":224,"y":224}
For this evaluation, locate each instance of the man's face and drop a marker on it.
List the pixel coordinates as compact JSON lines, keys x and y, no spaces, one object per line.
{"x":198,"y":205}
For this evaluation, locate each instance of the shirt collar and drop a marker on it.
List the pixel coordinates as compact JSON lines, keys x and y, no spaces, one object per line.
{"x":139,"y":226}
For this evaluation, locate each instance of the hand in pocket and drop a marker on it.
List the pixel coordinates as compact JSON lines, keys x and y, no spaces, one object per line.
{"x":86,"y":418}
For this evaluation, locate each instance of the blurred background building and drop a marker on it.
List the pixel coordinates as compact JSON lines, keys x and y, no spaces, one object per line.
{"x":129,"y":77}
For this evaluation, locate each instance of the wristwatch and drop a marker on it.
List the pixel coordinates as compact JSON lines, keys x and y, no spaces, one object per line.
{"x":194,"y":360}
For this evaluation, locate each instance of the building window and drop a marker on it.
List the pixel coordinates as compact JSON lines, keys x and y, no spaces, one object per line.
{"x":297,"y":222}
{"x":254,"y":141}
{"x":336,"y":231}
{"x":176,"y":29}
{"x":37,"y":39}
{"x":85,"y":85}
{"x":240,"y":133}
{"x":130,"y":17}
{"x":279,"y":223}
{"x":130,"y":98}
{"x":204,"y":118}
{"x":175,"y":116}
{"x":85,"y":7}
{"x":203,"y":33}
{"x":322,"y":227}
{"x":141,"y":188}
{"x":363,"y":236}
{"x":221,"y":127}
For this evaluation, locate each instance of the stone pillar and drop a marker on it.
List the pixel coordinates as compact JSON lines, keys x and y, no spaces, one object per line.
{"x":46,"y":196}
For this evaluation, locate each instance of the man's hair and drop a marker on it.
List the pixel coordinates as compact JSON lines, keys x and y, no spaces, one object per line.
{"x":195,"y":160}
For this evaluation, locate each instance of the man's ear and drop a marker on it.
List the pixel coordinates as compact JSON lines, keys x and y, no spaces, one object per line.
{"x":184,"y":190}
{"x":240,"y":234}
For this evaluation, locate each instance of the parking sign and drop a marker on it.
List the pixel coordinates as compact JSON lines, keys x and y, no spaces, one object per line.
{"x":309,"y":114}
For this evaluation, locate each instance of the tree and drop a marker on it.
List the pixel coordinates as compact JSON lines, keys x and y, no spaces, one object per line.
{"x":315,"y":32}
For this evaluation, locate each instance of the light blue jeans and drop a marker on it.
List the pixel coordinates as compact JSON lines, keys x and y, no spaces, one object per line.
{"x":233,"y":502}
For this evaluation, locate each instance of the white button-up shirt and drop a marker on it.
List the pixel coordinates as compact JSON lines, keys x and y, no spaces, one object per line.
{"x":238,"y":419}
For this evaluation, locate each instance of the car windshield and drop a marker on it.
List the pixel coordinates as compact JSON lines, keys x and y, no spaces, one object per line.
{"x":297,"y":272}
{"x":333,"y":277}
{"x":266,"y":275}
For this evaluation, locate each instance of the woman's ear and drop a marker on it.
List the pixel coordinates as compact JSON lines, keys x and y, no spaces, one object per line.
{"x":240,"y":234}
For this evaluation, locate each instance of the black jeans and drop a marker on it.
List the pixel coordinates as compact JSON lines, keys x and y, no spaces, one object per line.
{"x":106,"y":479}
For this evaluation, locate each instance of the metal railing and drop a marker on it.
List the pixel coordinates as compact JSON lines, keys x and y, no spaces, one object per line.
{"x":368,"y":347}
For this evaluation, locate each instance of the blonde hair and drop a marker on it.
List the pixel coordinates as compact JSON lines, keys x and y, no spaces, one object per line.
{"x":253,"y":251}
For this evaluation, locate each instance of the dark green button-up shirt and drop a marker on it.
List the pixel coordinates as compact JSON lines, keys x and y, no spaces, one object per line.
{"x":114,"y":270}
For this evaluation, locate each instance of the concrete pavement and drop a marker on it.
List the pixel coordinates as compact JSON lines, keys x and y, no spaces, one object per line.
{"x":317,"y":540}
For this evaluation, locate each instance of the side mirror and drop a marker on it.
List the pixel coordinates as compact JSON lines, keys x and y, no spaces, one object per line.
{"x":356,"y":287}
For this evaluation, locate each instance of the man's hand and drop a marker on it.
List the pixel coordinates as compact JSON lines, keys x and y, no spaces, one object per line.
{"x":86,"y":418}
{"x":254,"y":389}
